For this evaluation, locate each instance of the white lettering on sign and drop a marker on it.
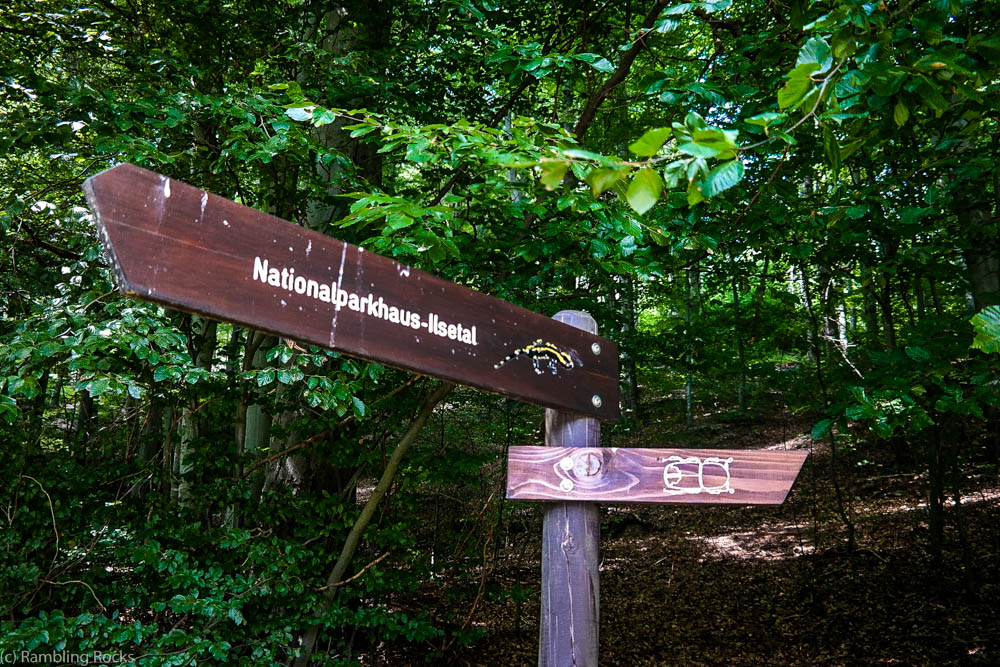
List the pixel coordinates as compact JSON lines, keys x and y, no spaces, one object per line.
{"x":691,"y":478}
{"x":370,"y":305}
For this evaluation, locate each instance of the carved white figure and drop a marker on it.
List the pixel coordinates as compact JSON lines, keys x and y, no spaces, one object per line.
{"x":673,"y":475}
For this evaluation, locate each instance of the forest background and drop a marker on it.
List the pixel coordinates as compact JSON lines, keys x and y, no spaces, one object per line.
{"x":782,"y":212}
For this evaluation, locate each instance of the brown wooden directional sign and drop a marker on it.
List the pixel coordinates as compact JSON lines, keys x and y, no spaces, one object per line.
{"x":618,"y":475}
{"x":174,"y":244}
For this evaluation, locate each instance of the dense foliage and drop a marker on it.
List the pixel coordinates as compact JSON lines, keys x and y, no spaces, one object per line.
{"x":749,"y":197}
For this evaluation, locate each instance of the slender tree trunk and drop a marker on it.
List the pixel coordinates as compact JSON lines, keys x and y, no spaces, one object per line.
{"x":841,"y":505}
{"x":970,"y":571}
{"x":36,"y":412}
{"x":829,"y":299}
{"x":870,"y":313}
{"x":918,"y":291}
{"x":308,"y":641}
{"x":761,"y":290}
{"x":631,"y":395}
{"x":690,"y":306}
{"x":203,"y":342}
{"x":904,"y":295}
{"x":150,"y":441}
{"x":888,"y":318}
{"x":738,"y":332}
{"x":935,"y":498}
{"x":253,"y":423}
{"x":83,"y":424}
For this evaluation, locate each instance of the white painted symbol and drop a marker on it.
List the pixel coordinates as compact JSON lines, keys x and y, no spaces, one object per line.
{"x":566,"y":485}
{"x":673,"y":475}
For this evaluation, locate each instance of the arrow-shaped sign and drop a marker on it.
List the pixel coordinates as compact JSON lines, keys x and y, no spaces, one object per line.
{"x":173,"y":244}
{"x":618,"y":475}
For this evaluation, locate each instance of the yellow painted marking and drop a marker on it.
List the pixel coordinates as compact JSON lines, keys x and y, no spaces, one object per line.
{"x":537,"y":351}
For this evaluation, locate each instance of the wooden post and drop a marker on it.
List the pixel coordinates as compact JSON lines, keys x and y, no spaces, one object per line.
{"x":570,"y":538}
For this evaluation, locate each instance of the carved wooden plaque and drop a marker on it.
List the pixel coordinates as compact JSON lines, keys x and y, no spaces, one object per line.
{"x":619,"y":475}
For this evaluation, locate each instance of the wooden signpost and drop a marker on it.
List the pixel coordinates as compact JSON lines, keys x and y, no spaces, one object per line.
{"x":173,"y":244}
{"x":572,"y":471}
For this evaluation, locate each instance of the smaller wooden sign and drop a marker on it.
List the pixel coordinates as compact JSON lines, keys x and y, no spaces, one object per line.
{"x":619,"y":475}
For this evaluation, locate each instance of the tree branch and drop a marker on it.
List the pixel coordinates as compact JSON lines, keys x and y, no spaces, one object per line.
{"x":619,"y":75}
{"x":354,"y":537}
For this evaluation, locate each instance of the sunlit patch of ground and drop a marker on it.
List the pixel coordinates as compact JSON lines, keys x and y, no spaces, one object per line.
{"x":769,"y":542}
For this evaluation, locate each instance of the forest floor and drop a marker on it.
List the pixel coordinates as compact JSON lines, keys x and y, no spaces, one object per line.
{"x":740,"y":585}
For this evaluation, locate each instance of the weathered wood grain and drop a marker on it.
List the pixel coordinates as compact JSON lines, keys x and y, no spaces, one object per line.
{"x":619,"y":475}
{"x":569,"y":620}
{"x":173,"y":244}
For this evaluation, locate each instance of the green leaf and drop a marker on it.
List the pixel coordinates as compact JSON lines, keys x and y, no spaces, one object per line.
{"x":695,"y":196}
{"x":900,"y":113}
{"x":580,"y":154}
{"x":697,"y":150}
{"x":858,"y":412}
{"x":396,"y":221}
{"x":362,"y":131}
{"x":98,"y":387}
{"x":765,"y":119}
{"x":552,"y":173}
{"x":359,"y":406}
{"x":723,"y":177}
{"x":8,"y":409}
{"x":816,"y":51}
{"x":161,"y":373}
{"x":659,"y":238}
{"x":822,"y":429}
{"x":723,"y":141}
{"x":600,"y":180}
{"x":300,"y":113}
{"x":324,"y":117}
{"x":987,"y":325}
{"x":832,"y":149}
{"x":416,"y":152}
{"x":265,"y":378}
{"x":918,"y":354}
{"x":627,"y":245}
{"x":694,"y":121}
{"x":632,"y":227}
{"x":666,"y":25}
{"x":650,"y":142}
{"x":644,"y":190}
{"x":597,"y":61}
{"x":797,"y":85}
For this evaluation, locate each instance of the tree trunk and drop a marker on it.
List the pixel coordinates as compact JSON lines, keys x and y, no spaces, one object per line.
{"x":691,"y":282}
{"x":83,"y":424}
{"x":253,"y":423}
{"x":935,"y":498}
{"x":202,"y":341}
{"x":841,"y":505}
{"x":738,"y":333}
{"x":630,"y":398}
